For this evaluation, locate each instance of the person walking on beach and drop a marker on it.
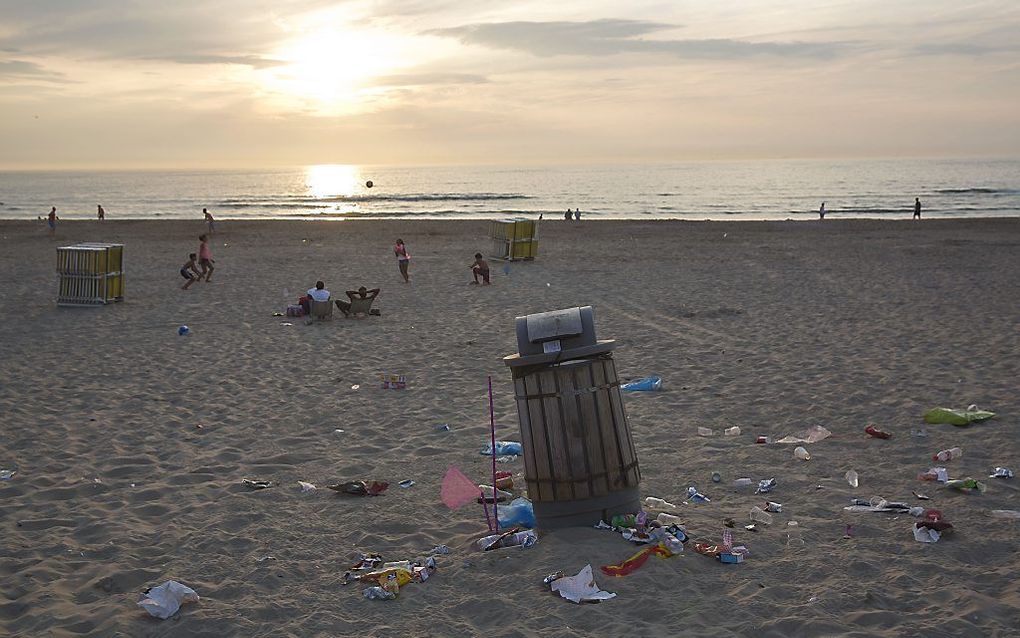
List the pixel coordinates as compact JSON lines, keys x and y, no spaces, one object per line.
{"x":400,"y":250}
{"x":917,"y":208}
{"x":51,"y":220}
{"x":188,"y":269}
{"x":577,"y":214}
{"x":568,"y":215}
{"x":480,"y":267}
{"x":209,"y":220}
{"x":100,"y":214}
{"x":821,"y":211}
{"x":205,"y":259}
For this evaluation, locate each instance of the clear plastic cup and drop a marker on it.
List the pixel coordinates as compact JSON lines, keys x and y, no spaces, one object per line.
{"x":852,"y":478}
{"x":802,"y":454}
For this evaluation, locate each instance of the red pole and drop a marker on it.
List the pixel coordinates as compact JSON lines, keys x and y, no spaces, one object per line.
{"x":492,"y":427}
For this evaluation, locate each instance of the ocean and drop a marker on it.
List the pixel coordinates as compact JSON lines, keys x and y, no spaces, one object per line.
{"x":768,"y":189}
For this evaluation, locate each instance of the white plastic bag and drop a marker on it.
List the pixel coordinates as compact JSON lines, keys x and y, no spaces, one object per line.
{"x":580,"y":588}
{"x":164,"y":600}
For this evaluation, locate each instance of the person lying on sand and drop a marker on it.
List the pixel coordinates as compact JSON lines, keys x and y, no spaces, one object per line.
{"x":360,"y":293}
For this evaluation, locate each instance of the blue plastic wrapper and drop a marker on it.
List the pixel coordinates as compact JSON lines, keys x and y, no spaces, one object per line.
{"x":647,"y":384}
{"x":518,"y":512}
{"x":504,"y":448}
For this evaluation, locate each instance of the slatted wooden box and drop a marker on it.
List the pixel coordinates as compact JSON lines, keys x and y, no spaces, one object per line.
{"x":90,"y":274}
{"x":514,"y":239}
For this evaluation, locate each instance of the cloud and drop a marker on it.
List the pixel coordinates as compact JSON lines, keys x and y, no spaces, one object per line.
{"x":964,"y":48}
{"x":615,"y":36}
{"x":184,"y":32}
{"x":254,"y":61}
{"x":20,"y":69}
{"x":424,"y":79}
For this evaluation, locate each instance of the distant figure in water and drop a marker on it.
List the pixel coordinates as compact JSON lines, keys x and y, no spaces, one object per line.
{"x":917,"y":208}
{"x":51,"y":220}
{"x":100,"y":214}
{"x":209,"y":220}
{"x":539,"y":215}
{"x":821,"y":211}
{"x":568,"y":215}
{"x":577,"y":214}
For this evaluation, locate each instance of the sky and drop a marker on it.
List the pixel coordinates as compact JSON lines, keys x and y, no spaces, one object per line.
{"x":96,"y":84}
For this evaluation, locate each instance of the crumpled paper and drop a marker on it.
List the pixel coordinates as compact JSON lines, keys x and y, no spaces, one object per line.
{"x":164,"y":600}
{"x":581,"y":588}
{"x":813,"y":434}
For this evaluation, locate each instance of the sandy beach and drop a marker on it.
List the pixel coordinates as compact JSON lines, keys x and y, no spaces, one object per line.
{"x":769,"y":326}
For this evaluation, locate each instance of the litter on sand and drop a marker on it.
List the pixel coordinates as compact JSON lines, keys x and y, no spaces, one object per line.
{"x":580,"y":588}
{"x":648,"y":384}
{"x":164,"y":600}
{"x":957,"y":417}
{"x":360,"y":488}
{"x":813,"y":434}
{"x":256,"y":484}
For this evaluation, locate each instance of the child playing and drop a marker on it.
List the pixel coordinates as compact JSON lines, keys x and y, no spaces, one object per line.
{"x":187,"y":269}
{"x":480,"y":267}
{"x":205,"y":259}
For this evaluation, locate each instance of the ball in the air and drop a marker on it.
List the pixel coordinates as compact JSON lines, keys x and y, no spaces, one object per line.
{"x":183,"y":330}
{"x":369,"y":184}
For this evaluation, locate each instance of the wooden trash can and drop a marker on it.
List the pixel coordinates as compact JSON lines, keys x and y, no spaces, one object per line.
{"x":579,"y":457}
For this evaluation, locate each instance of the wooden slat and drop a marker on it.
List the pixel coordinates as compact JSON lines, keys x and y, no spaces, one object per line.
{"x":574,"y":430}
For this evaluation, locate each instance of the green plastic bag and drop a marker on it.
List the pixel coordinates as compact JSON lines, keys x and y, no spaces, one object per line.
{"x":956,"y":417}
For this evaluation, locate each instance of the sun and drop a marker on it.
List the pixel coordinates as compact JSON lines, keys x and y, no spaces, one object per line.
{"x":335,"y":69}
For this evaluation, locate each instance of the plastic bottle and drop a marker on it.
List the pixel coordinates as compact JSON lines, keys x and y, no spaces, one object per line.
{"x":852,"y":478}
{"x":517,"y":512}
{"x":659,"y":504}
{"x":793,"y":536}
{"x":743,"y":482}
{"x":1005,"y":514}
{"x":759,"y":515}
{"x":703,"y":431}
{"x":668,"y":519}
{"x":802,"y":454}
{"x":948,"y":455}
{"x":501,"y":495}
{"x":734,"y":431}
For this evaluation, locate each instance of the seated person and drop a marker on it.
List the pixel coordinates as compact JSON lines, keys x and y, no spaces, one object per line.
{"x":319,"y":293}
{"x":480,"y":267}
{"x":360,"y":293}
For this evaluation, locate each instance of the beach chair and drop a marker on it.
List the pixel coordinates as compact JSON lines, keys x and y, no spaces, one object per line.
{"x":360,"y":306}
{"x":319,"y":310}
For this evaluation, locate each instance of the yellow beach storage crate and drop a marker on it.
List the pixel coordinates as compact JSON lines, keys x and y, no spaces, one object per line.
{"x":514,"y":239}
{"x":91,"y":274}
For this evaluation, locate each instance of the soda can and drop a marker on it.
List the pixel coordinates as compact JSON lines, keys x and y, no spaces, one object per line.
{"x":762,"y":440}
{"x":773,"y":507}
{"x":1001,"y":472}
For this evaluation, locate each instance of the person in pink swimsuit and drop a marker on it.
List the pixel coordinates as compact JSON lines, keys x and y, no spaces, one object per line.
{"x":205,"y":259}
{"x":400,"y":250}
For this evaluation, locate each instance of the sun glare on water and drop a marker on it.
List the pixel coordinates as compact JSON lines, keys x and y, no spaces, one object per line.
{"x":332,"y":180}
{"x":335,"y":70}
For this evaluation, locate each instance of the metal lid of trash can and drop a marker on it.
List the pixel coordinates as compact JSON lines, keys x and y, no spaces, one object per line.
{"x":558,"y":335}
